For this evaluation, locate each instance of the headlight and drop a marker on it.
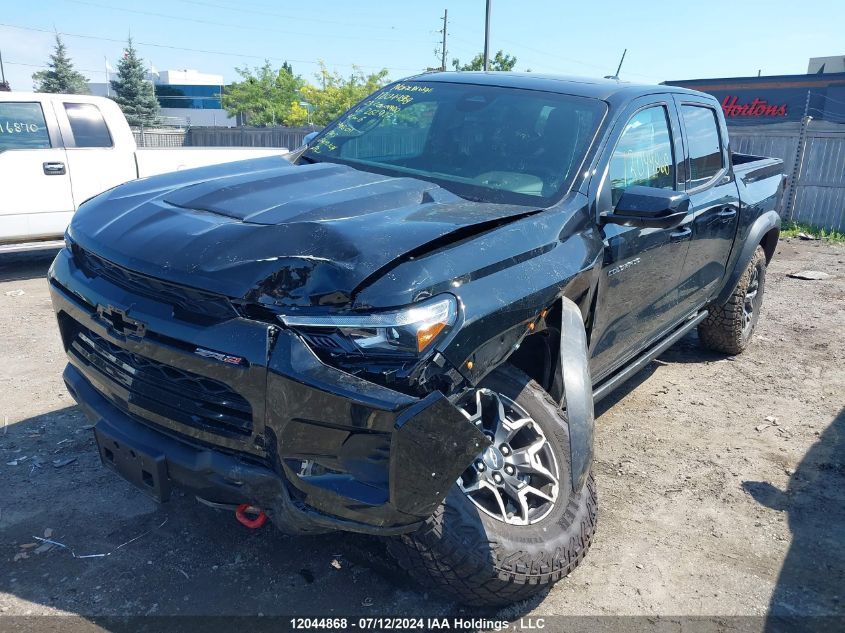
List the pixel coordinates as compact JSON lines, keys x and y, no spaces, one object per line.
{"x":412,"y":329}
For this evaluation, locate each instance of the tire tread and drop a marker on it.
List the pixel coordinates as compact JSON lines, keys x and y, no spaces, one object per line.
{"x":721,"y":331}
{"x":454,"y":562}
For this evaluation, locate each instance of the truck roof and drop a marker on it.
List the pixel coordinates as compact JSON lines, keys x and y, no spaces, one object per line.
{"x":604,"y":89}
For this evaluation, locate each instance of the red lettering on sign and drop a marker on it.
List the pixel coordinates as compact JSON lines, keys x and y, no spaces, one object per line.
{"x":757,"y":108}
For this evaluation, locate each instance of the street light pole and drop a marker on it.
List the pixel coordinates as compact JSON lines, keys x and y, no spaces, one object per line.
{"x":487,"y":36}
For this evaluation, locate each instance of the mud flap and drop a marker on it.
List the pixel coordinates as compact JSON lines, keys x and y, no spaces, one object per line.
{"x":577,"y":391}
{"x":432,"y":444}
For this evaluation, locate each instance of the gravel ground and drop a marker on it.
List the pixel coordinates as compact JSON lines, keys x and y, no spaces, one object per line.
{"x":721,"y":490}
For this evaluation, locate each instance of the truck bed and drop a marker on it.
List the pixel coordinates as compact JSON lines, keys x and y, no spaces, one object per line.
{"x":751,"y":168}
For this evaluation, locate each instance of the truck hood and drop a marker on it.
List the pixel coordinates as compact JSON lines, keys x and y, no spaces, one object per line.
{"x":274,"y":232}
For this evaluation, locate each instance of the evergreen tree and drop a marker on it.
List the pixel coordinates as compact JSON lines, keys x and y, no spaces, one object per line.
{"x":132,"y":92}
{"x":60,"y":76}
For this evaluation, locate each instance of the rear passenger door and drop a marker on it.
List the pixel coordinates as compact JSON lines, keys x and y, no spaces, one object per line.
{"x":35,"y":192}
{"x":95,"y":162}
{"x":714,"y":200}
{"x":637,"y":291}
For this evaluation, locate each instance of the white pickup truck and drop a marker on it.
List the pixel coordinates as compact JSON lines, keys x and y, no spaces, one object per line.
{"x":56,"y":151}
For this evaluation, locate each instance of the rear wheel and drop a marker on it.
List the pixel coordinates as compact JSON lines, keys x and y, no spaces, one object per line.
{"x":728,"y":328}
{"x":511,"y":526}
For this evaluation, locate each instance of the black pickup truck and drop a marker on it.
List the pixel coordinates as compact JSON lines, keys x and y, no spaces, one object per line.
{"x":401,"y":328}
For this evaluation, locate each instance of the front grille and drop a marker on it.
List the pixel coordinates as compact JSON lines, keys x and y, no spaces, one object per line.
{"x":189,"y":304}
{"x":165,"y":390}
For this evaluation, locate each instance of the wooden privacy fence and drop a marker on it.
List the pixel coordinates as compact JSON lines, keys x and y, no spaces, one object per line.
{"x":814,"y":160}
{"x":290,"y":137}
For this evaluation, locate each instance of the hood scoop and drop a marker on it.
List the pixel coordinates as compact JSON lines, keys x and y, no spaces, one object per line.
{"x":322,"y":192}
{"x":307,"y":235}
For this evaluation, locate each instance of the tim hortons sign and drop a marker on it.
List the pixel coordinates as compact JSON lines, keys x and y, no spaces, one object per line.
{"x":757,"y":108}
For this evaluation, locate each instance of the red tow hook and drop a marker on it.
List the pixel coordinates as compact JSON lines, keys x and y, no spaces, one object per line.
{"x":253,"y":524}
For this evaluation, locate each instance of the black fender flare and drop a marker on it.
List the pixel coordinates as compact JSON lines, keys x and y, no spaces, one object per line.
{"x":761,"y":226}
{"x":574,"y":368}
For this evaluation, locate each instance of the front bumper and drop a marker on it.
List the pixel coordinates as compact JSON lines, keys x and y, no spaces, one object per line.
{"x":316,"y":447}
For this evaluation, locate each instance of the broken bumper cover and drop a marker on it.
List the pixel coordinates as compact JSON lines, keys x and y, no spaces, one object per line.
{"x":323,"y":449}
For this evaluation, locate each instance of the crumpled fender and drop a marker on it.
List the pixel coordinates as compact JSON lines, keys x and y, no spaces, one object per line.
{"x":762,"y":225}
{"x":433,"y":443}
{"x":577,"y":391}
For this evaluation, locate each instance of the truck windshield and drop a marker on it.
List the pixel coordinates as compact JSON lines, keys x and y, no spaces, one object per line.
{"x":483,"y":143}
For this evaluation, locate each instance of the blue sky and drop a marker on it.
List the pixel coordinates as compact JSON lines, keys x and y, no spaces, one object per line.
{"x":665,"y":40}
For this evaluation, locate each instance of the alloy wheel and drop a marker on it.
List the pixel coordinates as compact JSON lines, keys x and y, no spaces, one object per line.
{"x":516,"y":479}
{"x":748,"y":305}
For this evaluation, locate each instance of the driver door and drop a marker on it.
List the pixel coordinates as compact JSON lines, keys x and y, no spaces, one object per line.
{"x":637,"y":296}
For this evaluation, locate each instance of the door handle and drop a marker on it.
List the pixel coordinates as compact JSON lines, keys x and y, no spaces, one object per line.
{"x":681,"y":234}
{"x":727,"y":214}
{"x":54,"y":169}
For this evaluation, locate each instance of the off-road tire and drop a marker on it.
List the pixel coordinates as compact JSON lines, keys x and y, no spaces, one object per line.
{"x":724,"y":329}
{"x":478,"y":560}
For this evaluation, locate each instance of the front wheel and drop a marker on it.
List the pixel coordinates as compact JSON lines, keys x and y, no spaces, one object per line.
{"x":728,"y":328}
{"x":511,"y":526}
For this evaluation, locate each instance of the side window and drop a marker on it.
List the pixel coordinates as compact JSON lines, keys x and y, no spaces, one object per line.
{"x":704,"y":142}
{"x":87,"y":125}
{"x":643,"y":154}
{"x":22,"y":126}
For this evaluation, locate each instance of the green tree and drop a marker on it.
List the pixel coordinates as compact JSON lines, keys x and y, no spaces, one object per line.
{"x":264,"y":96}
{"x":132,"y":91}
{"x":500,"y":61}
{"x":334,"y":95}
{"x":60,"y":75}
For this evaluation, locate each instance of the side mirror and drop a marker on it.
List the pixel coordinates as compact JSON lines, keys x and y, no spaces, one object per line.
{"x":649,"y":207}
{"x":309,"y":137}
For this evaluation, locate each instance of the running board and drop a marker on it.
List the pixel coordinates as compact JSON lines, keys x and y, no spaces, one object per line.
{"x":26,"y":247}
{"x":617,"y":379}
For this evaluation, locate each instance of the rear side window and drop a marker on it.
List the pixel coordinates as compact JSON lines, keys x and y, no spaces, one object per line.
{"x":22,"y":126}
{"x":704,"y":142}
{"x":87,"y":125}
{"x":643,"y":154}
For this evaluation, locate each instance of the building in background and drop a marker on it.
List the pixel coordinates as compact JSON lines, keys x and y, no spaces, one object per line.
{"x":766,"y":116}
{"x":780,"y":98}
{"x":187,"y":97}
{"x":820,"y":65}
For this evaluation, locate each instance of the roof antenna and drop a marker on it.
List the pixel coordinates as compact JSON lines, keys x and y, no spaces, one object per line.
{"x":618,"y":68}
{"x":4,"y":86}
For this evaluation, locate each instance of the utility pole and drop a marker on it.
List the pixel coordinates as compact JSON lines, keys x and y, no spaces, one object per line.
{"x":443,"y":45}
{"x":487,"y":36}
{"x":792,"y":183}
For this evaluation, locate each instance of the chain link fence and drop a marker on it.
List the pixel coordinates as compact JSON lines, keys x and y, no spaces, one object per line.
{"x":160,"y":137}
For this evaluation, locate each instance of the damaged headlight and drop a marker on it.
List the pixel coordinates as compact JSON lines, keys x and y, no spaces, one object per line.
{"x":412,"y":329}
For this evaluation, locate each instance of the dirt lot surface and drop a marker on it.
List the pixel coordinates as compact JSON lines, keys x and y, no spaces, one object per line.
{"x":721,"y":489}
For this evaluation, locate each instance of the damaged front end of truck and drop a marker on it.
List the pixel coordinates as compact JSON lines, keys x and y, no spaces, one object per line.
{"x":281,"y":383}
{"x":244,"y":411}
